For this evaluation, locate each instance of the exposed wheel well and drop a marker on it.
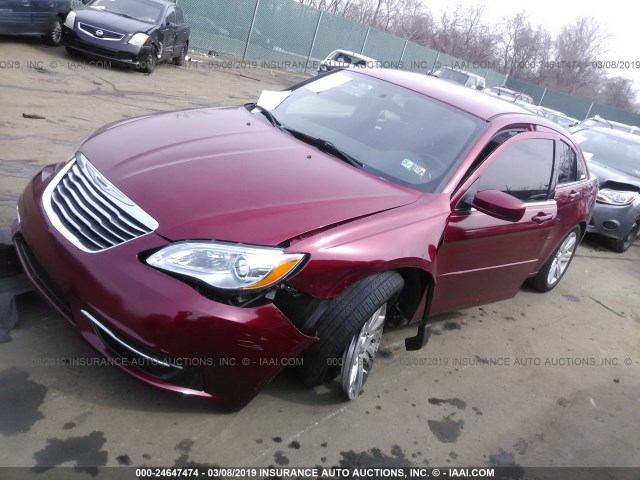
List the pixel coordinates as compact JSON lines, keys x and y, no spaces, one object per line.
{"x":416,"y":282}
{"x":583,"y":229}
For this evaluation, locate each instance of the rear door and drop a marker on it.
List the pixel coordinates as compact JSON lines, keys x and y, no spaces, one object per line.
{"x":15,"y":16}
{"x":41,"y":13}
{"x":572,"y":193}
{"x":483,"y":259}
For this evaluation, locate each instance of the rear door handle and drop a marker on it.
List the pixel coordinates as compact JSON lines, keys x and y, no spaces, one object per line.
{"x":26,"y":3}
{"x":542,"y":218}
{"x":573,"y":195}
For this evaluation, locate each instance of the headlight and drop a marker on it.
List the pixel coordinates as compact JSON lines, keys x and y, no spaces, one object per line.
{"x":225,"y":265}
{"x":614,"y":197}
{"x":139,"y":39}
{"x":70,"y":20}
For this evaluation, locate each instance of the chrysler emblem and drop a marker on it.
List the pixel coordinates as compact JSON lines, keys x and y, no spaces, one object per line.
{"x":99,"y":33}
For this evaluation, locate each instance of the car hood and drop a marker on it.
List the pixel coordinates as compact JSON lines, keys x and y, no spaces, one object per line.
{"x":111,"y":21}
{"x":607,"y":174}
{"x":225,"y":174}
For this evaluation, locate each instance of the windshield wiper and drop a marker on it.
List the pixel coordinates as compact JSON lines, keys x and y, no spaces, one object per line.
{"x":272,"y":119}
{"x":325,"y":146}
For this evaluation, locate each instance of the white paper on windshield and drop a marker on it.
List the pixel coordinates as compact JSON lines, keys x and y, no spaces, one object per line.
{"x":270,"y":99}
{"x":587,"y":155}
{"x":330,"y":81}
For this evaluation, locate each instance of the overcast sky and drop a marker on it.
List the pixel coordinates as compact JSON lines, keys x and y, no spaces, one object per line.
{"x":617,"y":18}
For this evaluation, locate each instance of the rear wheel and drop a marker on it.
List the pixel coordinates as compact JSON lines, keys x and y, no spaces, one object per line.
{"x":624,"y":244}
{"x":555,"y":268}
{"x":349,"y":334}
{"x":180,"y":59}
{"x":54,"y":33}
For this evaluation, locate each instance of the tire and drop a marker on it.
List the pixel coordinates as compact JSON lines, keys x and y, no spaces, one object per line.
{"x":54,"y":32}
{"x":554,"y":269}
{"x":180,"y":59}
{"x":149,"y":63}
{"x":621,"y":246}
{"x":343,"y":322}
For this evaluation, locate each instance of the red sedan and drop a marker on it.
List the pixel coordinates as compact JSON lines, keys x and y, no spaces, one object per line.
{"x":204,"y":250}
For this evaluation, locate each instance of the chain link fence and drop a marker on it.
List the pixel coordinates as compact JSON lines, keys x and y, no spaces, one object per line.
{"x":288,"y":35}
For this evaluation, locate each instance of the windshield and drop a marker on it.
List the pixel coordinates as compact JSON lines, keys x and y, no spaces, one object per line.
{"x":395,"y":133}
{"x":619,"y":153}
{"x":447,"y":74}
{"x":148,"y":12}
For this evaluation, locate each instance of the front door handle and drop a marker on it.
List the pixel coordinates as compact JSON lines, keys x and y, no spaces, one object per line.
{"x":573,"y":195}
{"x":26,"y":3}
{"x":542,"y":218}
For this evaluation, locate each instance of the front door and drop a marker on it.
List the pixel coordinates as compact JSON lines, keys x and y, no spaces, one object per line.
{"x":169,"y":32}
{"x":483,"y":259}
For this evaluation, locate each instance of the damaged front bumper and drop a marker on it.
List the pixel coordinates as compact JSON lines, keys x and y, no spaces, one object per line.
{"x":151,"y":325}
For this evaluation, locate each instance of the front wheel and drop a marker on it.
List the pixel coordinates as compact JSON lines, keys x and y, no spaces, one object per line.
{"x":555,"y":268}
{"x":148,"y":64}
{"x":359,"y":356}
{"x":54,"y":33}
{"x":621,"y":246}
{"x":349,"y":334}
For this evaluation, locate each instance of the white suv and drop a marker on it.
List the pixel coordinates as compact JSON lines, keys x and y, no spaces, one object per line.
{"x":346,"y":59}
{"x":467,"y":79}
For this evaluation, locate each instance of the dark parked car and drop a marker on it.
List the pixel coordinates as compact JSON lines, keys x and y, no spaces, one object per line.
{"x":34,"y":17}
{"x":138,"y":33}
{"x":614,"y":156}
{"x":205,"y":250}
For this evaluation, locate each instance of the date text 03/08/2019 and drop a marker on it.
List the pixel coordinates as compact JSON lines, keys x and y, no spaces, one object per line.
{"x":315,"y":472}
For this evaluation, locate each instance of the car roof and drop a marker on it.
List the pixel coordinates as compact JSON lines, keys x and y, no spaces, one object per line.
{"x":459,"y":70}
{"x":604,"y":121}
{"x":613,"y":133}
{"x":502,"y":89}
{"x":164,"y":3}
{"x":464,"y":98}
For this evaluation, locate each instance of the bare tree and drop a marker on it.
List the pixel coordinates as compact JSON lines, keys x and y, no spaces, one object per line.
{"x":619,"y":92}
{"x":522,"y":51}
{"x":576,"y":47}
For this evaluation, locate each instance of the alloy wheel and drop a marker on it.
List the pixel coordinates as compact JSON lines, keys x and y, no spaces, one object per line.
{"x":56,"y":34}
{"x":361,"y":352}
{"x":562,"y":258}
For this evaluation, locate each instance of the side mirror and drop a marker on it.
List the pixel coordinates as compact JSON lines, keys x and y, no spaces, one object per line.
{"x":499,"y":205}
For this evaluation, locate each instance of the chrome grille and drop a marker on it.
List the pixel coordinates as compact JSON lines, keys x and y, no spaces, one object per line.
{"x":90,"y":211}
{"x":106,"y":34}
